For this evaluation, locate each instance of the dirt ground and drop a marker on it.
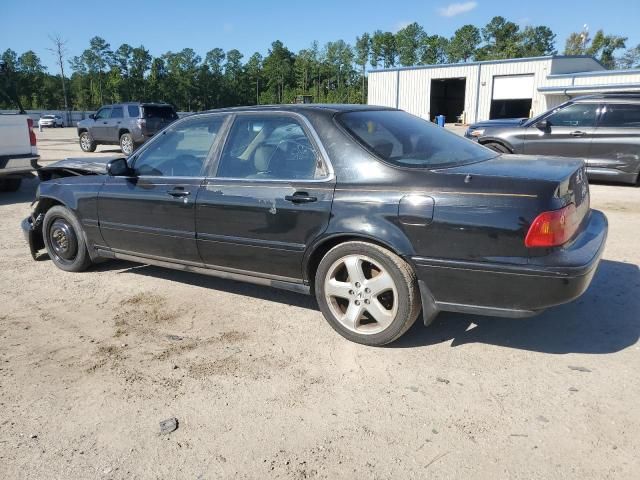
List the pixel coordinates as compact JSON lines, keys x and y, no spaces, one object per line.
{"x":262,"y":387}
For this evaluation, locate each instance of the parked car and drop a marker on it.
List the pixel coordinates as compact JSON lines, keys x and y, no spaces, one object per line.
{"x":18,"y":151}
{"x":604,"y":130}
{"x":375,"y":211}
{"x":51,"y":121}
{"x":127,"y":124}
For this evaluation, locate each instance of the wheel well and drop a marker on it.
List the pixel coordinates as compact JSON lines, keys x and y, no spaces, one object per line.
{"x":81,"y":131}
{"x":321,"y":250}
{"x":44,"y":204}
{"x":122,"y":132}
{"x":499,"y":143}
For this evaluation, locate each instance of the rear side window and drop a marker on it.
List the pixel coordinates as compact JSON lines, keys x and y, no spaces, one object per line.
{"x":408,"y":141}
{"x":116,"y":112}
{"x":164,"y":112}
{"x":134,"y":111}
{"x":575,"y":115}
{"x":619,"y":115}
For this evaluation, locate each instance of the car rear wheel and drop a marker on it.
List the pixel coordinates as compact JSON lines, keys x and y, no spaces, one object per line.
{"x":498,"y":147}
{"x":126,"y":144}
{"x":64,"y":240}
{"x":367,"y":294}
{"x":86,"y":142}
{"x":10,"y":184}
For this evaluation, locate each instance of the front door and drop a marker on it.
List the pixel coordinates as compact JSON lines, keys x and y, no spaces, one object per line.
{"x":152,"y":212}
{"x":568,"y":134}
{"x":114,"y":124}
{"x":100,"y":127}
{"x":268,"y":200}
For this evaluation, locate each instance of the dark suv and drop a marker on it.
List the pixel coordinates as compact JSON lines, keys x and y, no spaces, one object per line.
{"x":126,"y":124}
{"x":604,"y":130}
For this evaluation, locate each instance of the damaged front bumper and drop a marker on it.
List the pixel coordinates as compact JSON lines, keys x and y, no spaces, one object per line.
{"x":32,"y":230}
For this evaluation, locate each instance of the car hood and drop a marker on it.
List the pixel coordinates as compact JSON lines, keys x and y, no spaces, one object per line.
{"x":502,"y":122}
{"x":76,"y":166}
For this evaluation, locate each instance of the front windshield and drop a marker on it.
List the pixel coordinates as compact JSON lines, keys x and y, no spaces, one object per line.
{"x":408,"y":141}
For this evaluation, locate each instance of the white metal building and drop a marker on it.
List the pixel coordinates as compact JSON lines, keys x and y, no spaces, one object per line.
{"x":512,"y":88}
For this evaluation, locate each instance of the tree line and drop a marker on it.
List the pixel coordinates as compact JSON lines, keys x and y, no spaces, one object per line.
{"x":333,"y":73}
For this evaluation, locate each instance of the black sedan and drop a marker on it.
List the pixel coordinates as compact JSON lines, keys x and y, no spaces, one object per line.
{"x":378,"y":213}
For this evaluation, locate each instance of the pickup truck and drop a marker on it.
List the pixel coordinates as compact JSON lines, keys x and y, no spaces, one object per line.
{"x":18,"y":151}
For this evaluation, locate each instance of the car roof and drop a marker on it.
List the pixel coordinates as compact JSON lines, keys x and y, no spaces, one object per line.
{"x":330,"y":108}
{"x":632,"y":97}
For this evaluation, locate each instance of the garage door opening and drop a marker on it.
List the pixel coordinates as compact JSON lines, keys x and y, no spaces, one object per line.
{"x":512,"y":96}
{"x":447,"y":98}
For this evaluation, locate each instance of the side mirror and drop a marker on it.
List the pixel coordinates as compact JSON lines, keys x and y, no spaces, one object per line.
{"x":542,"y":125}
{"x":118,"y":168}
{"x":92,"y":116}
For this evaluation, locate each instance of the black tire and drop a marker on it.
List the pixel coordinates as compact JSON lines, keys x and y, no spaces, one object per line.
{"x":10,"y":184}
{"x":497,"y":147}
{"x":126,"y":144}
{"x":64,"y":240}
{"x":407,"y":304}
{"x":87,"y":144}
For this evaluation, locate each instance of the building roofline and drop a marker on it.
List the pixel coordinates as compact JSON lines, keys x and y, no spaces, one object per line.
{"x":484,"y":62}
{"x":596,"y":73}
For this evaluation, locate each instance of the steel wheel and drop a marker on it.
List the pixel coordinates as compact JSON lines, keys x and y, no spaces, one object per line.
{"x":63,"y":241}
{"x":361,"y":294}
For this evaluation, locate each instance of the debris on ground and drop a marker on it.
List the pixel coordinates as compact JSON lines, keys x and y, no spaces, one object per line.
{"x":168,"y":426}
{"x":579,"y":369}
{"x":442,"y":380}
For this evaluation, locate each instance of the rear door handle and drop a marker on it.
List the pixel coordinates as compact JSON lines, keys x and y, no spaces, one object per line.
{"x":178,"y":192}
{"x":578,"y":133}
{"x":300,"y":197}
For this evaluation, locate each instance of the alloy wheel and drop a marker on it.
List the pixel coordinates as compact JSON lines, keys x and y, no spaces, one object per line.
{"x":361,"y":294}
{"x":126,"y":144}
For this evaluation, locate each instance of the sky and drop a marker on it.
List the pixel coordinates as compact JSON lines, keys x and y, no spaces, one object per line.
{"x":251,"y":25}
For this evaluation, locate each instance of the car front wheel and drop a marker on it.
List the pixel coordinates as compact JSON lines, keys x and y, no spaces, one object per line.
{"x":86,"y":142}
{"x":64,"y":241}
{"x":367,"y":293}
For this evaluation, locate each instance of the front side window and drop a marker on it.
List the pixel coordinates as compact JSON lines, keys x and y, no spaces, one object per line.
{"x":181,"y":150}
{"x":575,"y":115}
{"x":408,"y":141}
{"x":103,"y":113}
{"x":270,"y":147}
{"x":621,"y":115}
{"x":116,"y":112}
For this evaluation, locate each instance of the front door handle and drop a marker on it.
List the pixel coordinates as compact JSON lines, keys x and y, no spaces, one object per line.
{"x":578,"y":133}
{"x":178,"y":192}
{"x":300,"y":197}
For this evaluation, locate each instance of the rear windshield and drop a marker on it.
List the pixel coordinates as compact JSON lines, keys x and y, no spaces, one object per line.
{"x":408,"y":141}
{"x":153,"y":111}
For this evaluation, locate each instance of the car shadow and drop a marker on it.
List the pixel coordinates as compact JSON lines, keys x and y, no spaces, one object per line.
{"x":605,"y":319}
{"x":26,"y":192}
{"x":229,"y":286}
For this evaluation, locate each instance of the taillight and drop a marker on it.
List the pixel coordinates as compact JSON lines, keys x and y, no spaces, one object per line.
{"x":551,"y":229}
{"x":142,"y":122}
{"x":32,"y":135}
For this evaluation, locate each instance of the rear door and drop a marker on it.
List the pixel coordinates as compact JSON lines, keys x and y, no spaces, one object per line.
{"x":100,"y":127}
{"x":268,"y":199}
{"x":569,"y":133}
{"x":152,"y":213}
{"x":616,"y":140}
